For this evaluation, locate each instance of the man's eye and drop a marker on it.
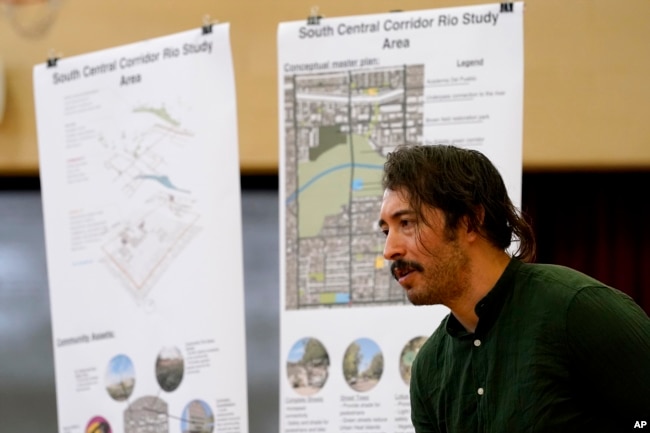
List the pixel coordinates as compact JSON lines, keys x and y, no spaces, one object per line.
{"x":405,"y":223}
{"x":385,"y":232}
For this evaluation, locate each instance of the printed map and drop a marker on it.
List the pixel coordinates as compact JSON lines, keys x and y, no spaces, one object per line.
{"x":141,"y":244}
{"x":339,"y":126}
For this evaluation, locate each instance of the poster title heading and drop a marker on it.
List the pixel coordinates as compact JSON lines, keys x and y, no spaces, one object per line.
{"x":397,"y":25}
{"x":130,"y":62}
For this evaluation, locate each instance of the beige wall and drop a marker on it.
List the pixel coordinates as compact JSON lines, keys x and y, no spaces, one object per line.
{"x":587,"y":71}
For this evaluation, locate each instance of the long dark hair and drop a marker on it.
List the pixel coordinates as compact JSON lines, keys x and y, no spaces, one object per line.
{"x":461,"y":183}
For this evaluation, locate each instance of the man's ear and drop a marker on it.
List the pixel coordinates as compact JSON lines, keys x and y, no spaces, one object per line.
{"x":474,"y":225}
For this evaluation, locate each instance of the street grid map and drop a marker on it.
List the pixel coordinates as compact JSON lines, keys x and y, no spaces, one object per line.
{"x":339,"y":127}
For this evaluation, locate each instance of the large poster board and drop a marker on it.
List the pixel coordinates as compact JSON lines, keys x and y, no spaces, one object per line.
{"x":351,"y":89}
{"x":141,"y":201}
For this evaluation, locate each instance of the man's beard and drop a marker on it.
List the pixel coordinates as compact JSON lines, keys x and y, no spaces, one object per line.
{"x":442,"y":282}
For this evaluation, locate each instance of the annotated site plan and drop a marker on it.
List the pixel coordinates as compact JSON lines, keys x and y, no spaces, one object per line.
{"x":140,"y":246}
{"x":338,"y":128}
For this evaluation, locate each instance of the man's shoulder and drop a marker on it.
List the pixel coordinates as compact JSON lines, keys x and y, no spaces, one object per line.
{"x":549,"y":287}
{"x":551,"y":276}
{"x":560,"y":286}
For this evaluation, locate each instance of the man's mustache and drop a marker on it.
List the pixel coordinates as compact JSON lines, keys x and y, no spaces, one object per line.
{"x":405,"y":265}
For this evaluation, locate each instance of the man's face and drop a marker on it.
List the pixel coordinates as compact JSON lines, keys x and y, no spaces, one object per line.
{"x":431,"y":266}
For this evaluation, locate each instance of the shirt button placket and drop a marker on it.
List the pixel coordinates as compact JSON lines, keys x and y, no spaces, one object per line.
{"x":477,"y":344}
{"x":480,"y":372}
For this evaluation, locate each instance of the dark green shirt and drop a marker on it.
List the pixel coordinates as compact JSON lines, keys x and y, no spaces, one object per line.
{"x":554,"y":351}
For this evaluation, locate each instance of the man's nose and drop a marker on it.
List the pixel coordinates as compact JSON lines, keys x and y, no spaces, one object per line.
{"x":393,"y":248}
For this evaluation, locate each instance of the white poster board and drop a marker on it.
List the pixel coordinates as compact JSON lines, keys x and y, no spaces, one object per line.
{"x":351,"y":89}
{"x":139,"y":169}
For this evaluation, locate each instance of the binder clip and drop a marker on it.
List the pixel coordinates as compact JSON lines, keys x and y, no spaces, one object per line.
{"x":52,"y":59}
{"x":507,"y":7}
{"x":206,"y":28}
{"x":313,"y":18}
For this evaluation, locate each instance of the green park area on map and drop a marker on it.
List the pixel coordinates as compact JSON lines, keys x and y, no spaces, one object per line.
{"x":342,"y":167}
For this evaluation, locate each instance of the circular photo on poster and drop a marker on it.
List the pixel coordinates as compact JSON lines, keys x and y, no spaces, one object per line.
{"x":147,"y":413}
{"x":98,"y":424}
{"x":120,"y":377}
{"x":363,"y":364}
{"x":170,"y":367}
{"x":197,"y":418}
{"x":307,"y":366}
{"x":407,"y":357}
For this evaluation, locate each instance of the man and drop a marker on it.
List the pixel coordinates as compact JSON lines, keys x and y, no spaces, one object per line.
{"x":526,"y":347}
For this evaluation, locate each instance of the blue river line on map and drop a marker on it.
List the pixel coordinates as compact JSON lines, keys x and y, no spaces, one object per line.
{"x":330,"y":170}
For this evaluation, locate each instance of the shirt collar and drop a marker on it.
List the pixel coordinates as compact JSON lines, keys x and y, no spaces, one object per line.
{"x":489,"y":307}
